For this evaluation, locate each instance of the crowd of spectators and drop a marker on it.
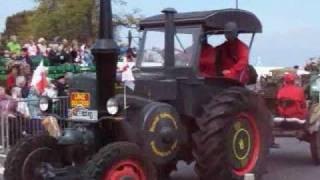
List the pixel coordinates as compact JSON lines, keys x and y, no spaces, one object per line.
{"x":17,"y":58}
{"x":19,"y":94}
{"x":58,"y":51}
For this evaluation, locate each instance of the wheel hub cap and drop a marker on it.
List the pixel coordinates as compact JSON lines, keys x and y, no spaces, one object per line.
{"x":244,"y":144}
{"x":37,"y":164}
{"x":125,"y":170}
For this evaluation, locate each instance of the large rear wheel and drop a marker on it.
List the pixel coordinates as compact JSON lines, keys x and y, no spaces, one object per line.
{"x":234,"y":136}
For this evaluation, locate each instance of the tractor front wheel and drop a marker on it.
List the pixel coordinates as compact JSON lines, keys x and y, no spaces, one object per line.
{"x":30,"y":158}
{"x":121,"y":160}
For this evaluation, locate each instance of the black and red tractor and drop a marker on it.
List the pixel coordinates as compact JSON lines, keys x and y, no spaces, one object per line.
{"x":168,"y":113}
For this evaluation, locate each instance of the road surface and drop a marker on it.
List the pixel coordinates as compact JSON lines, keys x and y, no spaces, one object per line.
{"x":291,"y":162}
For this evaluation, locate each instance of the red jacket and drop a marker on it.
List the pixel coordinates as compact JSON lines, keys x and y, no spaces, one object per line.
{"x":11,"y":82}
{"x":298,"y":109}
{"x":207,"y":61}
{"x":234,"y":56}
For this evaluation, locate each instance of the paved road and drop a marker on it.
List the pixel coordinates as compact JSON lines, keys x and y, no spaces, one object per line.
{"x":291,"y":162}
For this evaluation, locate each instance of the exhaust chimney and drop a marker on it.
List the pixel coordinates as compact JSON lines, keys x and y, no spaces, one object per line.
{"x":105,"y":52}
{"x":170,"y":31}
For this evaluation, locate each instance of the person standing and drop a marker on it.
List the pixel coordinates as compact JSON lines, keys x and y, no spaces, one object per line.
{"x":21,"y":82}
{"x":13,"y":46}
{"x":11,"y":78}
{"x":32,"y":48}
{"x":42,"y":47}
{"x":61,"y":86}
{"x":25,"y":57}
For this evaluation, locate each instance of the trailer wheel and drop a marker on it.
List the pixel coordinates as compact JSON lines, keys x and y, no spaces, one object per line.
{"x":120,"y":160}
{"x":234,"y":136}
{"x":315,"y":148}
{"x":27,"y":157}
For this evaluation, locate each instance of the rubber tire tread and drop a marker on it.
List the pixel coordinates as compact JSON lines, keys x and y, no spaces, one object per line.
{"x":113,"y":153}
{"x":18,"y":154}
{"x":209,"y":141}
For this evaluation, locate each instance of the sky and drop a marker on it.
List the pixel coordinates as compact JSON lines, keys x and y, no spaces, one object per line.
{"x":291,"y":28}
{"x":10,"y":7}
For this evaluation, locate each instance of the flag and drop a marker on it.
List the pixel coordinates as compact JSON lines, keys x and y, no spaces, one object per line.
{"x":127,"y":76}
{"x":39,"y":78}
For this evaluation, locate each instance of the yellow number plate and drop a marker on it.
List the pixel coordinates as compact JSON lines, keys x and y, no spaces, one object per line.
{"x":80,"y":99}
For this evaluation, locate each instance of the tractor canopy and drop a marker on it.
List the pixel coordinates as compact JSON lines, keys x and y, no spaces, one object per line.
{"x":214,"y":20}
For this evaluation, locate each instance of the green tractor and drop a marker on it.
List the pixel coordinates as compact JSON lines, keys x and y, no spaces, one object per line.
{"x":170,"y":114}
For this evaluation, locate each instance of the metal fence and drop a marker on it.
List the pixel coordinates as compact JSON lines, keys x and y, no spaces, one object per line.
{"x":26,"y":120}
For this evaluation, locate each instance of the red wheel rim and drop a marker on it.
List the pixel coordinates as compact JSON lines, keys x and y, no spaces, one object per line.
{"x":128,"y":168}
{"x":255,"y":150}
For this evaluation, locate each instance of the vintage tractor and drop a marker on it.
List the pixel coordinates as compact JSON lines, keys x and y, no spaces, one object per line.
{"x":303,"y":129}
{"x":170,"y":113}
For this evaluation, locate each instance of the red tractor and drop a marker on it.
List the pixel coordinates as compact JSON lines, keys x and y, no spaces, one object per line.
{"x":296,"y":114}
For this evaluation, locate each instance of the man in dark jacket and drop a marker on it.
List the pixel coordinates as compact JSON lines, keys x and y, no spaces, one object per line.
{"x":61,"y":86}
{"x":57,"y":55}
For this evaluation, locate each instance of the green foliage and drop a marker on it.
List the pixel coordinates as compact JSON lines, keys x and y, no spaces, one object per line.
{"x":71,"y":19}
{"x":17,"y":24}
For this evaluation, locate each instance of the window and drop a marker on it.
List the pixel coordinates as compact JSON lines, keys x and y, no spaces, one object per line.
{"x":154,"y":42}
{"x":153,"y":54}
{"x":185,"y":41}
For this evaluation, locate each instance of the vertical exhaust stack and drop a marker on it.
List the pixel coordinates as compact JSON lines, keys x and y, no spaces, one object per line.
{"x":105,"y":52}
{"x":170,"y":31}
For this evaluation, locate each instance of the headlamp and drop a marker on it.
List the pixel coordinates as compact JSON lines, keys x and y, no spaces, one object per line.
{"x":112,"y":106}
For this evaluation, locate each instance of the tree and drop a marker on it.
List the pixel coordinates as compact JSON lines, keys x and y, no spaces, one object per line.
{"x":71,"y":19}
{"x":16,"y":24}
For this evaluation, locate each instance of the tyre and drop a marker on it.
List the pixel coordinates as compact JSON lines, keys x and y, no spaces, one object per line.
{"x":234,"y":136}
{"x":23,"y":162}
{"x":315,"y":148}
{"x":164,"y":171}
{"x":119,"y":161}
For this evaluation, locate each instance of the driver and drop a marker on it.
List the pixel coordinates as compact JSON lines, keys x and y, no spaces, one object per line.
{"x":233,"y":55}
